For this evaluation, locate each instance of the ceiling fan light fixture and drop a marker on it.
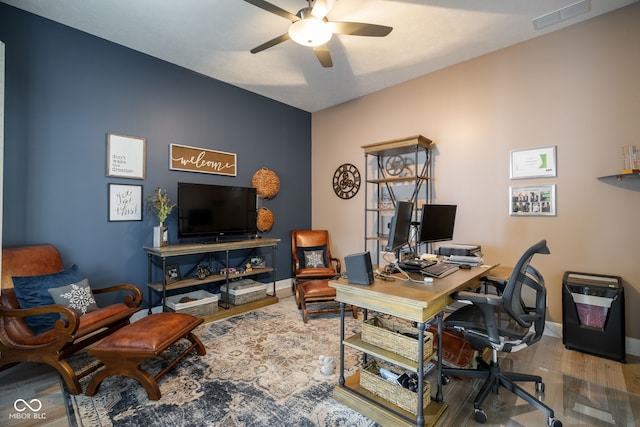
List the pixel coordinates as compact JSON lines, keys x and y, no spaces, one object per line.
{"x":310,"y":31}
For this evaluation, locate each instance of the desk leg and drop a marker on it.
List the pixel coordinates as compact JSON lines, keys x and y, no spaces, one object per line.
{"x":420,"y":414}
{"x":439,"y":397}
{"x":341,"y":379}
{"x":365,"y":317}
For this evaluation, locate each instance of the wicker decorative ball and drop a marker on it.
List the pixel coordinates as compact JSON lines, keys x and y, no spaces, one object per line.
{"x":265,"y":219}
{"x":266,"y":182}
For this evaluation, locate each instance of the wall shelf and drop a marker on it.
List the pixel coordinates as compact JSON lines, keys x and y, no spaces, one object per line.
{"x":629,"y":180}
{"x":635,"y":174}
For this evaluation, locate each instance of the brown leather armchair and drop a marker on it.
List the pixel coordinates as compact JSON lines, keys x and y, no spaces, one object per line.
{"x":71,"y":332}
{"x":312,"y":242}
{"x":312,"y":265}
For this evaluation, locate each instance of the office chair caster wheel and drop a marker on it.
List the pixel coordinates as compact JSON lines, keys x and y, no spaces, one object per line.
{"x":481,"y":416}
{"x":554,"y":422}
{"x":540,"y":387}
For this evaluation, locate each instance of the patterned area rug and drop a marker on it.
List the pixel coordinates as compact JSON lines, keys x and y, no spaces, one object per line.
{"x":261,"y":369}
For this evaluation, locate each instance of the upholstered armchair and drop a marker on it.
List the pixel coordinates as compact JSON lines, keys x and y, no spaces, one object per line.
{"x":25,"y":335}
{"x":311,"y":257}
{"x":312,"y":265}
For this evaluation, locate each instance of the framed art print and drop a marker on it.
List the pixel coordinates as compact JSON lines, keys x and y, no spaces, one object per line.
{"x":533,"y":200}
{"x":533,"y":163}
{"x":126,"y":156}
{"x":125,"y":202}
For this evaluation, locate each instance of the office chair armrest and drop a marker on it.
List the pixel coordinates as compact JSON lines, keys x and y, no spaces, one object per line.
{"x":498,"y":283}
{"x":487,"y":304}
{"x":475,"y":298}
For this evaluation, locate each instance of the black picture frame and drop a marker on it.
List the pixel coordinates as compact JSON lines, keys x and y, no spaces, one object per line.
{"x":172,"y":273}
{"x":125,"y":202}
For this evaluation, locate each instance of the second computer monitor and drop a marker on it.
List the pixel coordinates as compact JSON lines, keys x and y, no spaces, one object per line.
{"x":437,"y":223}
{"x":400,"y":226}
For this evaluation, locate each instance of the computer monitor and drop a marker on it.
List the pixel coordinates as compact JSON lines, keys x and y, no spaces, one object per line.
{"x":437,"y":222}
{"x":400,"y":226}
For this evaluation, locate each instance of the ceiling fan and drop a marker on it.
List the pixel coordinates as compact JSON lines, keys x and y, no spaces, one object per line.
{"x":310,"y":27}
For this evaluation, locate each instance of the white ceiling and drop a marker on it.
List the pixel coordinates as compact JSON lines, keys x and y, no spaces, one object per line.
{"x":213,"y":37}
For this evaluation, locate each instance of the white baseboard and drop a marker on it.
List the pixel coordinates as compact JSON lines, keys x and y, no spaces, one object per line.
{"x":283,"y":284}
{"x":632,"y":345}
{"x":553,"y":329}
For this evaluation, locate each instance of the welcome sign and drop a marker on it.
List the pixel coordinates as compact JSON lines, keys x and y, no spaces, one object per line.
{"x":193,"y":159}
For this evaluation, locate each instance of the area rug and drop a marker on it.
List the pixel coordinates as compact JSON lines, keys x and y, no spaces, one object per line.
{"x":261,"y":369}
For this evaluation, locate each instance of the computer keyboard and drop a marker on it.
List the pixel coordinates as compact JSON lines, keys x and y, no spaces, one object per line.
{"x":439,"y":270}
{"x":415,"y":264}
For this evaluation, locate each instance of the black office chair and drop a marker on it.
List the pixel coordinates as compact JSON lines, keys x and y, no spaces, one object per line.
{"x":504,"y":323}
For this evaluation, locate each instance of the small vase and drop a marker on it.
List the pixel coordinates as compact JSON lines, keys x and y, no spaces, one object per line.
{"x":160,"y":236}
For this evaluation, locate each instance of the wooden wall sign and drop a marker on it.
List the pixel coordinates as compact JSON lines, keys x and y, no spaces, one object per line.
{"x":193,"y":159}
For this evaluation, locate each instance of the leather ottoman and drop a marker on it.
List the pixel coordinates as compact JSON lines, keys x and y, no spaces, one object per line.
{"x":315,"y":292}
{"x":126,"y":349}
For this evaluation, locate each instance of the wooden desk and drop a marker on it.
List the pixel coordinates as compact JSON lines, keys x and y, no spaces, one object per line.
{"x":417,"y":302}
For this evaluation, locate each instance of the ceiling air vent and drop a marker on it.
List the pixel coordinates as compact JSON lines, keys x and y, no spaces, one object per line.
{"x":563,"y":14}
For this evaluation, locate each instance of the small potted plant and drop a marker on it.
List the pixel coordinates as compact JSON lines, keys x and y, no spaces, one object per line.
{"x":161,"y":206}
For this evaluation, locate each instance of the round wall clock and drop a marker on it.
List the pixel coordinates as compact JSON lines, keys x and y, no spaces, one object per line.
{"x":346,"y":181}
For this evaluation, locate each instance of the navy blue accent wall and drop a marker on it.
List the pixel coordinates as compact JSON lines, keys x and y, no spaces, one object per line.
{"x":66,"y":89}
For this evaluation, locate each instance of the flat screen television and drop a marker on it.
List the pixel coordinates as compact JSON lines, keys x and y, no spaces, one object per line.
{"x":400,"y":226}
{"x":216,"y":211}
{"x":437,"y":222}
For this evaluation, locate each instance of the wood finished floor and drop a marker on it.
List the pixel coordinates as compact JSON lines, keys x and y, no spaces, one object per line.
{"x":584,"y":390}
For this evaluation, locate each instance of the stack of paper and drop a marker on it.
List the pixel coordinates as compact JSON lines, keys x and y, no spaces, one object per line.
{"x":473,"y":261}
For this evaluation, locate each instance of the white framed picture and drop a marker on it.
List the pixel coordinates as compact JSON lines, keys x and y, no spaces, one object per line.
{"x":126,"y":156}
{"x":532,"y":200}
{"x":533,"y":163}
{"x":125,"y":202}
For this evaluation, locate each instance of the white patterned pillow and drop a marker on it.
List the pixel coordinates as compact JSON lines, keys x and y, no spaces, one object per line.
{"x":76,"y":295}
{"x":314,"y":259}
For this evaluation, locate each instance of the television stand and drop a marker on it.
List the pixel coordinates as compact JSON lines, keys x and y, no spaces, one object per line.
{"x":158,"y":257}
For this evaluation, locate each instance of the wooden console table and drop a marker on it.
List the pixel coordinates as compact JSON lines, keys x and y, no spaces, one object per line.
{"x":159,"y":256}
{"x":416,"y":302}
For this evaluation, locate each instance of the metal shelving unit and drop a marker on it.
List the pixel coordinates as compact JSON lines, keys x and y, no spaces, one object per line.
{"x":395,"y":170}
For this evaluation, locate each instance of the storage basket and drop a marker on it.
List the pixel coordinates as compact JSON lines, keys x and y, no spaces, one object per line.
{"x":406,"y":399}
{"x":265,"y":220}
{"x":204,"y":303}
{"x":397,"y":337}
{"x":266,"y":182}
{"x":244,"y":291}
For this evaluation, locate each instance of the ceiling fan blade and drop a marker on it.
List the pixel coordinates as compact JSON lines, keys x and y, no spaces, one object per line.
{"x":283,"y":38}
{"x":273,"y":9}
{"x":322,"y":7}
{"x":323,"y":55}
{"x":359,"y":29}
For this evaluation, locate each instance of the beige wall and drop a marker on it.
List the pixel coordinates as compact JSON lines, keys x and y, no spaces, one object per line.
{"x":577,"y":89}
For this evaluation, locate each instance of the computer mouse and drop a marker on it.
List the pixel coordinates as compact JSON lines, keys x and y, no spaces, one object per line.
{"x":465,"y":266}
